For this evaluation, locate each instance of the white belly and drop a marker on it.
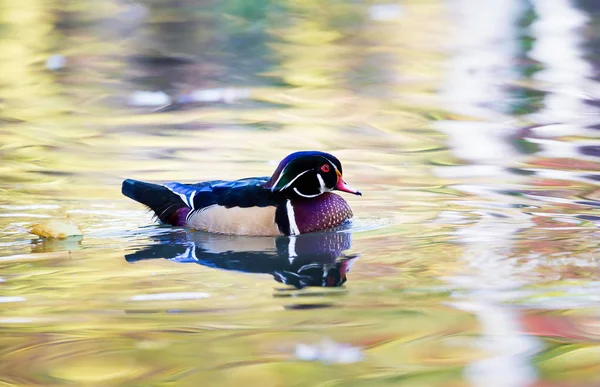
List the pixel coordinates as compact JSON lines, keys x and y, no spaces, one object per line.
{"x":258,"y":221}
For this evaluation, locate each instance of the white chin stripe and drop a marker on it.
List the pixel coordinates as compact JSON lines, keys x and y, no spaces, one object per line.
{"x":292,"y":219}
{"x":306,"y":196}
{"x":321,"y":183}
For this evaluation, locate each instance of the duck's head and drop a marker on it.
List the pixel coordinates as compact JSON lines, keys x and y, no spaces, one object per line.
{"x":309,"y":174}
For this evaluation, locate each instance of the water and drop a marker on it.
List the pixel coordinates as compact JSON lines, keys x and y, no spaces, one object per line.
{"x":470,"y":127}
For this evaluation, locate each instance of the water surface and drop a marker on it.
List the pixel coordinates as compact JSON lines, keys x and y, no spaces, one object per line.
{"x":470,"y":127}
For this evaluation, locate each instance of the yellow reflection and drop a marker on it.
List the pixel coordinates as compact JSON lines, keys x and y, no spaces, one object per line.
{"x":27,"y":39}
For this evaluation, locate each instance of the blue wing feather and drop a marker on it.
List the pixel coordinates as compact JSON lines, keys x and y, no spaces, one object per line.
{"x":248,"y":182}
{"x":238,"y":193}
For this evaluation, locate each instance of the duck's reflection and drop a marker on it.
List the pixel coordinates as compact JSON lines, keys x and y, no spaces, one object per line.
{"x":303,"y":260}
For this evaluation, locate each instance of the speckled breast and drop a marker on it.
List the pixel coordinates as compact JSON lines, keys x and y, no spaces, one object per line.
{"x":325,"y":211}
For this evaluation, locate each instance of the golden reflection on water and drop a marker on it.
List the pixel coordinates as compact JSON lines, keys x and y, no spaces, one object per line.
{"x":476,"y":235}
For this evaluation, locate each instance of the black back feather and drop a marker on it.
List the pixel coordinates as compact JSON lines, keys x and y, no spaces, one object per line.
{"x":159,"y":199}
{"x":248,"y":192}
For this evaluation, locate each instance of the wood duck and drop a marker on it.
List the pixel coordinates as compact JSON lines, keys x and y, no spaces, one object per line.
{"x":296,"y":199}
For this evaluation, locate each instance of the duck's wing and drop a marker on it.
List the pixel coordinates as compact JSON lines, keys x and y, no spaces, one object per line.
{"x":249,"y":192}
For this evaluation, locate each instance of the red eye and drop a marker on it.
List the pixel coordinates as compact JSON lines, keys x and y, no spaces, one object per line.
{"x":325,"y":168}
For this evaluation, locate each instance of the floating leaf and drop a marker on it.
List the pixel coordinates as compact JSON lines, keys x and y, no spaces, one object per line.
{"x":56,"y":228}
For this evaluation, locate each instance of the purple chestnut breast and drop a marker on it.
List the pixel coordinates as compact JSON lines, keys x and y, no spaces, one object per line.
{"x":325,"y":211}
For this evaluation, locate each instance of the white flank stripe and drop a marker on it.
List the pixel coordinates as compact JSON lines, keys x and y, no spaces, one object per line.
{"x":182,"y":196}
{"x":189,"y":215}
{"x":191,"y":201}
{"x":292,"y":219}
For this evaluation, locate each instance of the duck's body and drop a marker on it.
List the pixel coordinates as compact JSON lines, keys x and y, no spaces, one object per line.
{"x":282,"y":204}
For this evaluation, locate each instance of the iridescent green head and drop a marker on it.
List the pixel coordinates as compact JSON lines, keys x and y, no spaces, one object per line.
{"x":309,"y":174}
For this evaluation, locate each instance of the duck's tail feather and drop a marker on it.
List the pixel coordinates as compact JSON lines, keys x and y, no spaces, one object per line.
{"x":167,"y":206}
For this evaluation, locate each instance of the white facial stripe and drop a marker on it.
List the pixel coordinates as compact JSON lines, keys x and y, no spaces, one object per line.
{"x":305,"y":196}
{"x":292,"y":219}
{"x":294,"y":179}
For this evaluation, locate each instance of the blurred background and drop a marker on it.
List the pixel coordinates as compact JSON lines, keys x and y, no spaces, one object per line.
{"x":470,"y":126}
